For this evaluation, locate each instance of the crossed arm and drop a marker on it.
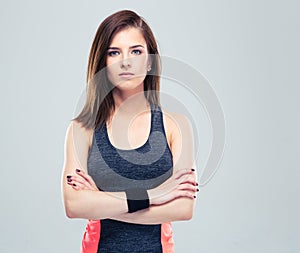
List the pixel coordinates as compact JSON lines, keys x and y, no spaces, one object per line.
{"x":84,"y":200}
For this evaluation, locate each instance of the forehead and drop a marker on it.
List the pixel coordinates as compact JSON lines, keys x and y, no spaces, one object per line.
{"x":128,"y":37}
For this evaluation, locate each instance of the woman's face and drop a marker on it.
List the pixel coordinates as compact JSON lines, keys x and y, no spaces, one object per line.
{"x":127,"y":59}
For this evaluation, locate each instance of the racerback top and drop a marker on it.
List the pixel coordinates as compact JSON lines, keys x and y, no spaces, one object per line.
{"x":115,"y":170}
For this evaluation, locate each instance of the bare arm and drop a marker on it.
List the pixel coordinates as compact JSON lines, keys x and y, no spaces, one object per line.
{"x":85,"y":204}
{"x":93,"y":204}
{"x":181,"y":207}
{"x":168,"y":212}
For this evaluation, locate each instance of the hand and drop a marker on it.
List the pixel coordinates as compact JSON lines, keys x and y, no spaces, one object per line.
{"x":81,"y":181}
{"x":180,"y":184}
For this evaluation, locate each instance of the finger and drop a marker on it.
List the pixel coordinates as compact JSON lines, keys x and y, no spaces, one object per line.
{"x":183,"y":193}
{"x":188,"y":187}
{"x":80,"y":180}
{"x":76,"y":186}
{"x":77,"y":179}
{"x":173,"y":184}
{"x":191,"y":179}
{"x":183,"y":172}
{"x":86,"y":177}
{"x":184,"y":190}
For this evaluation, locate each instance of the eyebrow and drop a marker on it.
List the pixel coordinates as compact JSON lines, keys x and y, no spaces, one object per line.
{"x":135,"y":46}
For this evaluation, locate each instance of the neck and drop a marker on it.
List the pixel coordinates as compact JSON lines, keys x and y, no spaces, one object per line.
{"x":130,"y":101}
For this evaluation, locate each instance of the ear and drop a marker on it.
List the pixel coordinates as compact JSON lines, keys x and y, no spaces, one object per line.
{"x":149,"y":63}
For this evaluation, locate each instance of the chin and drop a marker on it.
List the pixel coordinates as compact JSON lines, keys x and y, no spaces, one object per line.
{"x":130,"y":84}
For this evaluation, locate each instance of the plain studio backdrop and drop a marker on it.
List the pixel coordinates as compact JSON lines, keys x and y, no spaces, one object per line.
{"x":249,"y":52}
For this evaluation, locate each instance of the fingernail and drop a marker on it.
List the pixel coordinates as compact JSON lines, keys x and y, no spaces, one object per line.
{"x":77,"y":170}
{"x":69,"y":180}
{"x":69,"y":176}
{"x":192,"y":169}
{"x":74,"y":184}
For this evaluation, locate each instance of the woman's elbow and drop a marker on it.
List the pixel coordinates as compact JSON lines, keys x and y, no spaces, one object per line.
{"x":72,"y":205}
{"x":187,"y":214}
{"x":70,"y":214}
{"x":70,"y":210}
{"x":187,"y":211}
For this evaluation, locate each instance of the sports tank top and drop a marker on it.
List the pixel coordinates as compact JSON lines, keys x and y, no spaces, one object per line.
{"x":114,"y":170}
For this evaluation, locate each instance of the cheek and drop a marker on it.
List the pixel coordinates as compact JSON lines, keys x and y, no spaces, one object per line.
{"x":111,"y":74}
{"x":112,"y":68}
{"x":140,"y":64}
{"x":142,"y":61}
{"x":109,"y":64}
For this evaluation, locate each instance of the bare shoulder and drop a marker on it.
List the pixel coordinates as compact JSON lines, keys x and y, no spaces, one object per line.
{"x":180,"y":132}
{"x":80,"y":133}
{"x":175,"y":124}
{"x":77,"y":145}
{"x":174,"y":121}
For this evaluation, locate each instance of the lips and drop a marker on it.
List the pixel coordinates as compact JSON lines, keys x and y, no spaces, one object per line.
{"x":126,"y":74}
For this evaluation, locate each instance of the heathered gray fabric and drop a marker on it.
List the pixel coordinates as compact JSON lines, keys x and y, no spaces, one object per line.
{"x":114,"y":170}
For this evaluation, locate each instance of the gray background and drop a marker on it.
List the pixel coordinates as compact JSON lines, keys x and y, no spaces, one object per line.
{"x":249,"y":51}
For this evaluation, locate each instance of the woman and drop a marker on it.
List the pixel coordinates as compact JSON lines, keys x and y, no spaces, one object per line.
{"x":128,"y":164}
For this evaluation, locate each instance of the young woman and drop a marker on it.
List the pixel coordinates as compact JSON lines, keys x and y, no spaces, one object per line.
{"x":129,"y":165}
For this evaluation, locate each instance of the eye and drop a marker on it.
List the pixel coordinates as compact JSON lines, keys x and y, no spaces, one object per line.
{"x":136,"y":51}
{"x":113,"y":53}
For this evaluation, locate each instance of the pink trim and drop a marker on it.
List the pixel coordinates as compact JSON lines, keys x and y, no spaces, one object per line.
{"x":167,"y":238}
{"x":91,"y":237}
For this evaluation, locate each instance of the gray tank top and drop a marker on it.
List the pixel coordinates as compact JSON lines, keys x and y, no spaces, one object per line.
{"x":115,"y":169}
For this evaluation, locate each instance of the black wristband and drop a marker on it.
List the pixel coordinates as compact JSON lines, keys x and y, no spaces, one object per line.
{"x":137,"y":199}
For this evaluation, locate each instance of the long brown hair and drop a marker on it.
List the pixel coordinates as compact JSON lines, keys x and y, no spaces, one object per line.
{"x":99,"y":102}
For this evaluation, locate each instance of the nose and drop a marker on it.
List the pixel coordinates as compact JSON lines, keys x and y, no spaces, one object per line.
{"x":125,"y":63}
